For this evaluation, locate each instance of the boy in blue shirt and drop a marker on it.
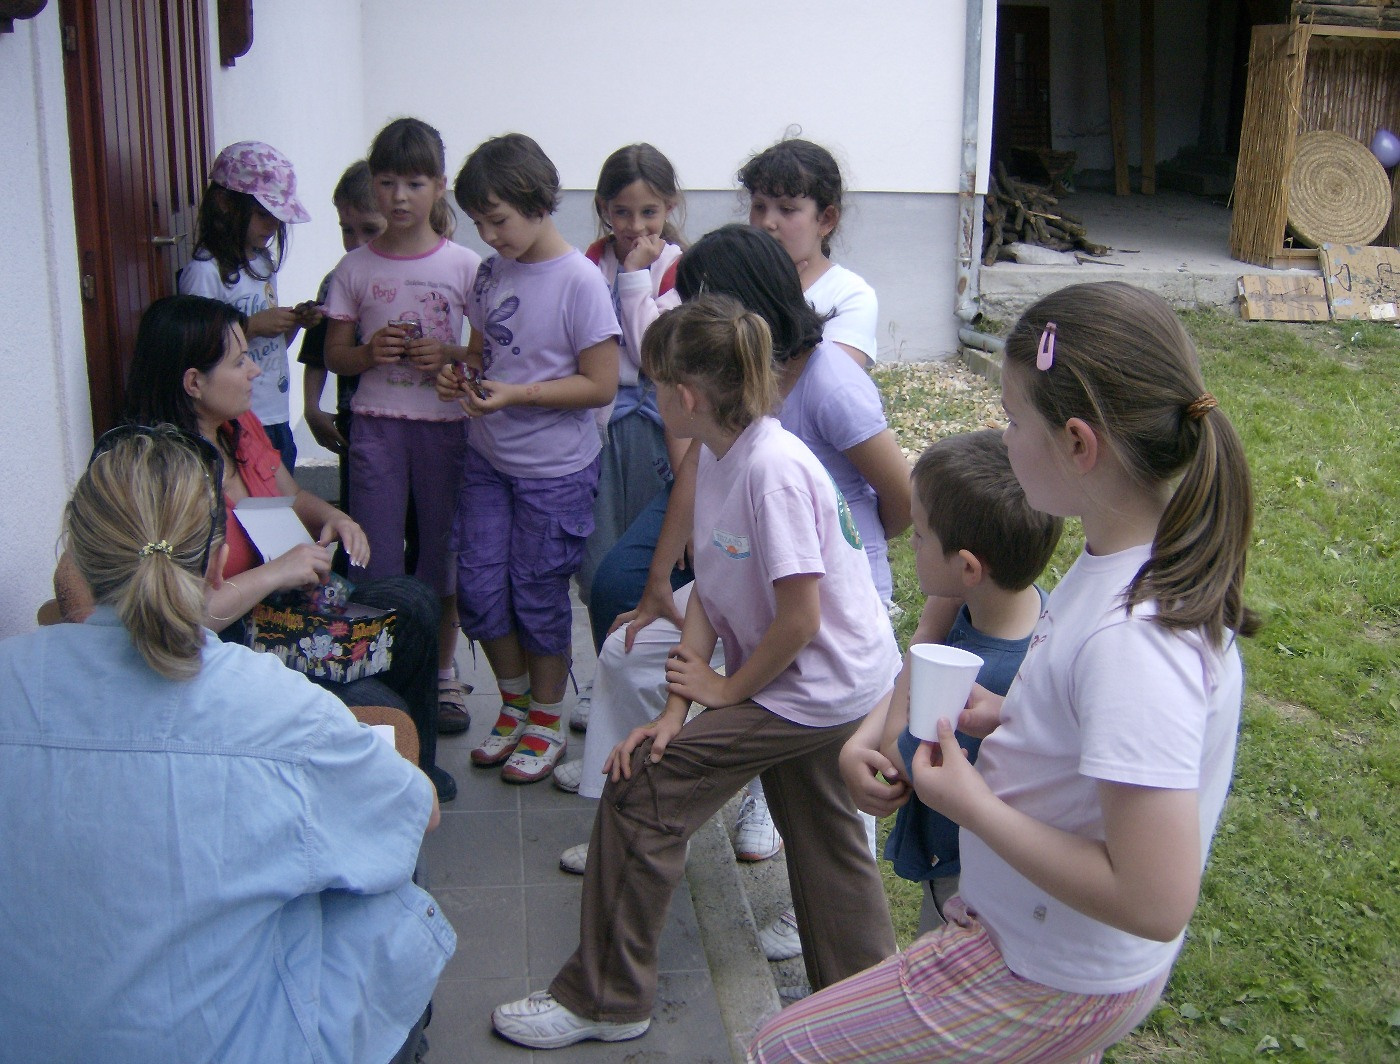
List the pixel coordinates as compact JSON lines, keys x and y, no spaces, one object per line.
{"x":975,"y":540}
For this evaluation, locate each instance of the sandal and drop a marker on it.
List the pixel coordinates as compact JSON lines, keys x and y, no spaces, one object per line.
{"x":453,"y":715}
{"x":540,"y":748}
{"x":497,"y":746}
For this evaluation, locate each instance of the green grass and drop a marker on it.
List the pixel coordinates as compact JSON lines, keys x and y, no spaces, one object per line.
{"x":1294,"y":950}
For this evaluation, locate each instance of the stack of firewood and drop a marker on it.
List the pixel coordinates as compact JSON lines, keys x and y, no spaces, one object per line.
{"x":1025,"y":213}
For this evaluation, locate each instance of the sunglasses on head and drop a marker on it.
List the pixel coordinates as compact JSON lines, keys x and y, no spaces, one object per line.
{"x":210,"y":459}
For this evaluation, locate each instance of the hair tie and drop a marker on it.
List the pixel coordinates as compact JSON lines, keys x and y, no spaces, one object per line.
{"x":157,"y":548}
{"x":1045,"y":350}
{"x":1198,"y":408}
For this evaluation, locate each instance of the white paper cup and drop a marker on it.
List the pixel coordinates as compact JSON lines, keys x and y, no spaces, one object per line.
{"x":940,"y":679}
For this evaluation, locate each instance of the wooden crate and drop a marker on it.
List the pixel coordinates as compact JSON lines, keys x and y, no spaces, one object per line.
{"x":1304,"y":78}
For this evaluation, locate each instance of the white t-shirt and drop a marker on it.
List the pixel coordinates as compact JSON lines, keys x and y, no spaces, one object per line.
{"x":856,"y":323}
{"x":1101,"y":695}
{"x":766,"y":510}
{"x":269,"y":353}
{"x":370,"y":289}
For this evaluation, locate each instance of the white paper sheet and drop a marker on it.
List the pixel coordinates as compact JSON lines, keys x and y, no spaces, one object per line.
{"x":272,"y":525}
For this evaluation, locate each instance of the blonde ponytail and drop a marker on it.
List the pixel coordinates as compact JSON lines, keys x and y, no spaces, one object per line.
{"x":140,"y":526}
{"x":712,"y":343}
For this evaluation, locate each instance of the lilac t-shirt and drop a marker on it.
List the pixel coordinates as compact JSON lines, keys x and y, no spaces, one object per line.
{"x":833,"y":407}
{"x":766,"y":510}
{"x":371,"y":289}
{"x":535,"y":318}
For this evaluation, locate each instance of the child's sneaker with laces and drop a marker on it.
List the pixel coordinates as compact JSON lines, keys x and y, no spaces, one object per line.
{"x":780,"y":940}
{"x":568,"y":775}
{"x":541,"y":1022}
{"x":755,"y":837}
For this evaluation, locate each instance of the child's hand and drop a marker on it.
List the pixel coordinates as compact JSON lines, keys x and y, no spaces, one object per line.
{"x":351,"y":536}
{"x":658,"y":602}
{"x":274,"y":321}
{"x":661,"y":731}
{"x":945,"y":780}
{"x":982,"y":713}
{"x":322,"y":426}
{"x":481,"y":396}
{"x":691,"y":677}
{"x":862,"y":769}
{"x":644,"y":252}
{"x":427,"y":353}
{"x":388,"y":346}
{"x":451,"y":383}
{"x":308,"y":314}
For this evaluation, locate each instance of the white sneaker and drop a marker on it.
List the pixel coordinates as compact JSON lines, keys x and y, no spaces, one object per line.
{"x":568,"y":775}
{"x":578,"y":716}
{"x":779,"y":940}
{"x":755,"y":837}
{"x":575,"y":859}
{"x":540,"y":1022}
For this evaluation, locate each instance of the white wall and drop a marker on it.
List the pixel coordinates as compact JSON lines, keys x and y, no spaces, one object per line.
{"x":709,"y":84}
{"x":46,"y":431}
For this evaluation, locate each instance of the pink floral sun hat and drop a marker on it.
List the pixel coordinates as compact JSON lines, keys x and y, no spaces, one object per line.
{"x":265,"y":174}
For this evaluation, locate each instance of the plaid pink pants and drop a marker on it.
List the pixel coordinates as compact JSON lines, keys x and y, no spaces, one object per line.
{"x":950,"y":997}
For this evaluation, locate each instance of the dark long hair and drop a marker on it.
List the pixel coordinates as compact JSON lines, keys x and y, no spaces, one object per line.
{"x":176,"y":334}
{"x":1123,"y":362}
{"x":751,"y":266}
{"x":222,"y":232}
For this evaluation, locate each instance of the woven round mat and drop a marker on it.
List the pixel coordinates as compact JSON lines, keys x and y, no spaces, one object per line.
{"x":1338,"y":192}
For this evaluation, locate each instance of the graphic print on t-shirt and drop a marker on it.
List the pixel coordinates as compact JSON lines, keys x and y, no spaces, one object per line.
{"x":498,"y":335}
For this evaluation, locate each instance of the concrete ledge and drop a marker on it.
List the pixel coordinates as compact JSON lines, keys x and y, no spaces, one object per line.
{"x":742,"y":978}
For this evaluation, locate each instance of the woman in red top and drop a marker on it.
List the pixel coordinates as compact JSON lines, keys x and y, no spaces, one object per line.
{"x":192,"y":370}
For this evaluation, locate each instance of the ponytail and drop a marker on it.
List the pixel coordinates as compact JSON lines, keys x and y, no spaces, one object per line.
{"x":1117,"y":357}
{"x":714,"y":345}
{"x":140,"y":526}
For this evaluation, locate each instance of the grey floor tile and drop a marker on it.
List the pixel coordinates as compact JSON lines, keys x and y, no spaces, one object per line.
{"x":546,"y":832}
{"x":552,"y":928}
{"x":461,"y":1029}
{"x":490,"y":925}
{"x":475,"y":849}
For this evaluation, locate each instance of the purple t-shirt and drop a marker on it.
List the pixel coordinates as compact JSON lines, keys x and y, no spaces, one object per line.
{"x":371,"y":289}
{"x":534,"y":319}
{"x":833,"y":407}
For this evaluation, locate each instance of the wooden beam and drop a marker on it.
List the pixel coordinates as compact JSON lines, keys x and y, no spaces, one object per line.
{"x":1114,"y":65}
{"x":1147,"y":37}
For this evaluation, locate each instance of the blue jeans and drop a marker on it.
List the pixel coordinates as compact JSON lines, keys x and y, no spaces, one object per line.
{"x":622,"y":575}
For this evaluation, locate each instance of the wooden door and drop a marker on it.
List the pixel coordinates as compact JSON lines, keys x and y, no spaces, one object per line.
{"x":138,"y":106}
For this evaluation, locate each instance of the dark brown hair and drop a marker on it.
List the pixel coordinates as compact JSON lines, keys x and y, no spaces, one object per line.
{"x":1125,"y":365}
{"x":796,"y":167}
{"x":512,"y":169}
{"x":716,"y":346}
{"x":222,"y":232}
{"x":640,"y":162}
{"x":410,"y":147}
{"x":973,"y":502}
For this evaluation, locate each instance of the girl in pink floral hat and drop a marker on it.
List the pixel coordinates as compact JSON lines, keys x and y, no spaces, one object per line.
{"x":239,"y":247}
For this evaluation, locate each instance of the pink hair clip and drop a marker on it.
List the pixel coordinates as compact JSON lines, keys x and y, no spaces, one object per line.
{"x":1045,"y":350}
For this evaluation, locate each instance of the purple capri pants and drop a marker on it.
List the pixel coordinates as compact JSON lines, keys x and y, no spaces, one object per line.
{"x":518,"y":541}
{"x":388,"y":456}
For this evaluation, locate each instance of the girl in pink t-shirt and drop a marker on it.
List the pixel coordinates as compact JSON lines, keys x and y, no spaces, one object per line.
{"x":779,"y":575}
{"x":406,"y":292}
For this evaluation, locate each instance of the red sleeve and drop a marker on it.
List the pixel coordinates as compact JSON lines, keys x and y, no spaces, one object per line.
{"x":258,"y":462}
{"x":594,"y":254}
